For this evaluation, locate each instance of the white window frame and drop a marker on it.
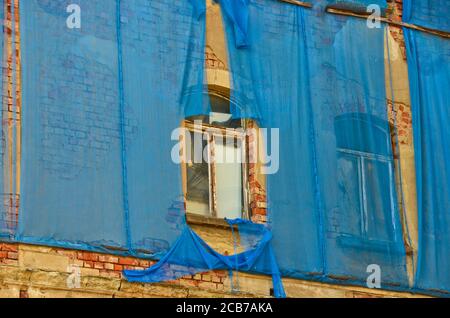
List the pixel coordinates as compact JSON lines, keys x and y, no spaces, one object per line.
{"x":214,"y":132}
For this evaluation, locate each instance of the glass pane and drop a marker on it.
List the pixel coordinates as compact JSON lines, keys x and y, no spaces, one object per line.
{"x":228,"y":173}
{"x":378,"y":199}
{"x":197,"y":175}
{"x":349,"y":195}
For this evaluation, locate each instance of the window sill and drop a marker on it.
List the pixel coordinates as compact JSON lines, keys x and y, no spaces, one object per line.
{"x":351,"y":241}
{"x":197,"y":219}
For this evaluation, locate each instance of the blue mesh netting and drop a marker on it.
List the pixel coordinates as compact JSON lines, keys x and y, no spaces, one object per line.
{"x":428,"y":68}
{"x":71,"y":179}
{"x":103,"y":101}
{"x":8,"y":118}
{"x":320,"y":81}
{"x":429,"y":76}
{"x":163,"y":57}
{"x":354,"y":159}
{"x":428,"y":13}
{"x":101,"y":104}
{"x":99,"y":99}
{"x":191,"y":254}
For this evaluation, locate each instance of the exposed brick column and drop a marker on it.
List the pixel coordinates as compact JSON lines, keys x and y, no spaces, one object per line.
{"x":11,"y":116}
{"x":258,"y":198}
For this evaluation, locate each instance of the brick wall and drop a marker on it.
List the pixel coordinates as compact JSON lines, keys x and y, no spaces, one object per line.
{"x":79,"y":130}
{"x":62,"y":262}
{"x":9,"y":254}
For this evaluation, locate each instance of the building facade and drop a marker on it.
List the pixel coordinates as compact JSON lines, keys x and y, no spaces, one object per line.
{"x":42,"y":271}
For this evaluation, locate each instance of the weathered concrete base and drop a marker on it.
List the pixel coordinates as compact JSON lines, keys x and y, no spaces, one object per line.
{"x":44,"y":272}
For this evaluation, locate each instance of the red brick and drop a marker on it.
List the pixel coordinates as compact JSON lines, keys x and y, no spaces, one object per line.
{"x":108,"y":259}
{"x":144,"y":263}
{"x":128,"y":261}
{"x":129,"y":267}
{"x":207,"y":285}
{"x":3,"y":254}
{"x":13,"y":255}
{"x":216,"y":279}
{"x":220,"y":273}
{"x":9,"y":248}
{"x":109,"y":266}
{"x":88,"y":264}
{"x":23,"y":293}
{"x":99,"y":265}
{"x":118,"y":267}
{"x":189,"y":282}
{"x":259,"y":211}
{"x":6,"y":261}
{"x":87,"y":256}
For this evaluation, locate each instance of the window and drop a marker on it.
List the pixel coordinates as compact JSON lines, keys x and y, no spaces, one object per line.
{"x":365,"y":177}
{"x":215,"y":171}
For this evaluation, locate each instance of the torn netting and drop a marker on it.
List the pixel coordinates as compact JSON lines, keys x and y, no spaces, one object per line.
{"x":319,"y":80}
{"x":191,"y":255}
{"x":237,"y":12}
{"x":269,"y":82}
{"x":432,"y":14}
{"x":429,"y":76}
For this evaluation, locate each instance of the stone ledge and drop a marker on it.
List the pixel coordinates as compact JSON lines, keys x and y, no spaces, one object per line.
{"x":40,"y":283}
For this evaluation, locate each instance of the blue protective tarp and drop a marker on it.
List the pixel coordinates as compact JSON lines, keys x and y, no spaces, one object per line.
{"x":71,"y":127}
{"x":270,"y":83}
{"x":191,"y":254}
{"x":237,"y":12}
{"x":429,"y":76}
{"x":8,"y":118}
{"x":102,"y":101}
{"x":432,"y":14}
{"x":101,"y":104}
{"x":319,"y":79}
{"x":353,"y":151}
{"x":163,"y":69}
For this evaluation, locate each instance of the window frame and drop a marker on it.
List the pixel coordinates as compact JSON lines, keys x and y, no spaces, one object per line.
{"x":361,"y":157}
{"x":360,"y":153}
{"x":212,"y":131}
